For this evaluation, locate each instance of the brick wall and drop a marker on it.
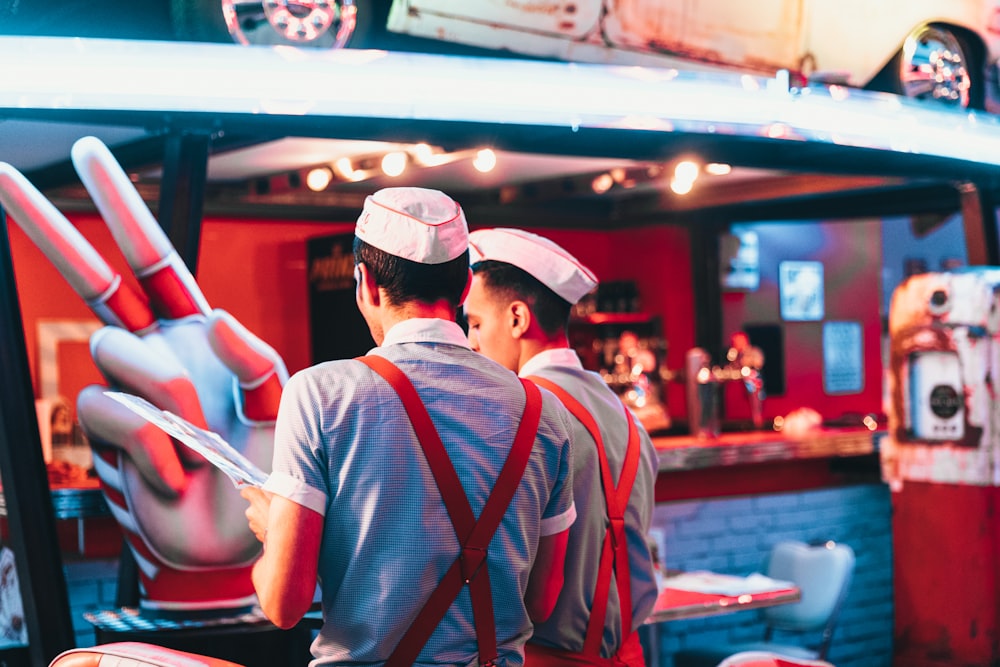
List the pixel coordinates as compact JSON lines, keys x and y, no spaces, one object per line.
{"x":91,"y":585}
{"x":734,"y":536}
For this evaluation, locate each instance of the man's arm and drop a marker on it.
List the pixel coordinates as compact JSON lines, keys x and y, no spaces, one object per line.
{"x":546,"y":579}
{"x":285,"y":575}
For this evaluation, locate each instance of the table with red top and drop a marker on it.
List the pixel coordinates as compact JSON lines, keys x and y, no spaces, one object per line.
{"x":722,"y":594}
{"x":683,"y":603}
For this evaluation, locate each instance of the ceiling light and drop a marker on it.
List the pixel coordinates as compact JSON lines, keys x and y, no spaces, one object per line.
{"x":423,"y":153}
{"x":686,"y":170}
{"x":394,"y":163}
{"x":426,"y":155}
{"x":317,"y":179}
{"x":681,"y":187}
{"x":344,"y":169}
{"x":718,"y":168}
{"x":485,"y":160}
{"x":602,"y":183}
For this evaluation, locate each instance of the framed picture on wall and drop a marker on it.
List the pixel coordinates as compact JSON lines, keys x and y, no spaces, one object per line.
{"x":800,"y":286}
{"x":843,"y":358}
{"x":739,"y":260}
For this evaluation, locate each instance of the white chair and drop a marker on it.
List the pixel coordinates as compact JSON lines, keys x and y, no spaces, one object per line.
{"x":767,"y":659}
{"x":823,"y":573}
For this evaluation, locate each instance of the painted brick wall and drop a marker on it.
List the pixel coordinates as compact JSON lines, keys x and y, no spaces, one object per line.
{"x":734,"y":536}
{"x":731,"y":535}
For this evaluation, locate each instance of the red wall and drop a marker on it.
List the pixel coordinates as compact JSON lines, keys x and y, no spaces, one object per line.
{"x":657,"y":259}
{"x":851,"y":254}
{"x":257,"y":271}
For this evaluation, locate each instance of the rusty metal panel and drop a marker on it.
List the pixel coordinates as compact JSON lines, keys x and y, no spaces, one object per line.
{"x":571,"y":19}
{"x":762,"y":35}
{"x":654,"y":25}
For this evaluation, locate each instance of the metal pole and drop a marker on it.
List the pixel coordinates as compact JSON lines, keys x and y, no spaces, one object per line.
{"x":707,"y":290}
{"x":979,"y":220}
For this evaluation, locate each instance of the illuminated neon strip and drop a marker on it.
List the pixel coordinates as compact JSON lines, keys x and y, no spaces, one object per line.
{"x":282,"y":82}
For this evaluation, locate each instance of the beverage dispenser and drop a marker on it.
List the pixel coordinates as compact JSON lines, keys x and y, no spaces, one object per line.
{"x":943,"y":352}
{"x":941,"y":458}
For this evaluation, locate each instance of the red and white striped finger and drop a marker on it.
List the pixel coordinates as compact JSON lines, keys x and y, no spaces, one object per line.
{"x":108,"y":423}
{"x":90,"y":276}
{"x":258,"y":368}
{"x":169,"y":285}
{"x":128,"y":362}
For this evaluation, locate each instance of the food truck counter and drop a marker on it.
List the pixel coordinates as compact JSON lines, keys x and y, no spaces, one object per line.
{"x":752,"y":462}
{"x":690,"y":452}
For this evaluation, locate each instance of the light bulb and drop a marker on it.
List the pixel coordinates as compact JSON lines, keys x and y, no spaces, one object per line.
{"x":686,"y":170}
{"x":317,"y":179}
{"x":680,"y":186}
{"x":485,"y":160}
{"x":394,"y":164}
{"x":602,"y":183}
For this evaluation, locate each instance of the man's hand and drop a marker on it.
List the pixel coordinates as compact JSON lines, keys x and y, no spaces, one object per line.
{"x":257,"y":512}
{"x":183,"y":518}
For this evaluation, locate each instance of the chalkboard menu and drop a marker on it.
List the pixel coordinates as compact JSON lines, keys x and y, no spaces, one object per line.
{"x":337,"y":329}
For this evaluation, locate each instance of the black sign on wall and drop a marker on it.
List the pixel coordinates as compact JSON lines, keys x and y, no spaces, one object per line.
{"x":336,"y":328}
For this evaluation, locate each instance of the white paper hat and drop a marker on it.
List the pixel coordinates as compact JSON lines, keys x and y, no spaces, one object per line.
{"x":418,"y":224}
{"x":548,"y":262}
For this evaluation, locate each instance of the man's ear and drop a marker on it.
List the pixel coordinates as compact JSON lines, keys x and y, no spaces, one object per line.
{"x":367,"y":290}
{"x":520,"y":318}
{"x":465,"y":292}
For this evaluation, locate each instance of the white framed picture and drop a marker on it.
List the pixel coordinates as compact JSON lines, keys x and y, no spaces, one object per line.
{"x":800,"y":285}
{"x":739,"y":260}
{"x":843,"y":358}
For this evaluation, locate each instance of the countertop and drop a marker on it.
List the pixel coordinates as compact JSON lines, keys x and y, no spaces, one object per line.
{"x":691,"y":453}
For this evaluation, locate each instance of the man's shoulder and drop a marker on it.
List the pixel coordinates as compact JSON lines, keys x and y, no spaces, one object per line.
{"x":585,"y":386}
{"x":326,"y":375}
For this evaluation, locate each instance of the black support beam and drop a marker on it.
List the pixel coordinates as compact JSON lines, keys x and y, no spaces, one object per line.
{"x":182,"y":192}
{"x":30,"y":516}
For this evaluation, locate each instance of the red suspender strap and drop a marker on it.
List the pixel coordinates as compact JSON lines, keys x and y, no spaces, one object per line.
{"x":473,"y":535}
{"x":614,"y":550}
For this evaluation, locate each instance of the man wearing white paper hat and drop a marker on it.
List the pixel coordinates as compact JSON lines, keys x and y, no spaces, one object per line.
{"x":518,"y":310}
{"x":405,"y":476}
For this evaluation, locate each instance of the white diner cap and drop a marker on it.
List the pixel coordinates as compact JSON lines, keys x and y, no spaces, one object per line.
{"x":548,"y":262}
{"x":418,"y":224}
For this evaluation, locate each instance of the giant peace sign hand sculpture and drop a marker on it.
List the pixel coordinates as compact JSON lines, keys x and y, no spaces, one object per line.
{"x":183,"y":519}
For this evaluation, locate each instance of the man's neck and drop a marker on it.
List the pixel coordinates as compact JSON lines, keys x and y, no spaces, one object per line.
{"x":393,"y":315}
{"x":535,"y":346}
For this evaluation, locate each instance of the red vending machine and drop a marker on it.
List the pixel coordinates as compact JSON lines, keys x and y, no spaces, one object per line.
{"x":942,"y":459}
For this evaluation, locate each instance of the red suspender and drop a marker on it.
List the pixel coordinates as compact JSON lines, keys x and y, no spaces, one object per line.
{"x":614,"y":551}
{"x":473,"y":535}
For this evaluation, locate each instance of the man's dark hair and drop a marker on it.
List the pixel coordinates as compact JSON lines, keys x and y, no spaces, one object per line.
{"x":405,"y":280}
{"x":510,"y":282}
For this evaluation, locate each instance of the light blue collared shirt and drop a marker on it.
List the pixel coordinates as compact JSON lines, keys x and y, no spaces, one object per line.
{"x":345,"y":447}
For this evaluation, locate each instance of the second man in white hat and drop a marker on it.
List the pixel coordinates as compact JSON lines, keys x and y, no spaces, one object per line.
{"x":517,"y":309}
